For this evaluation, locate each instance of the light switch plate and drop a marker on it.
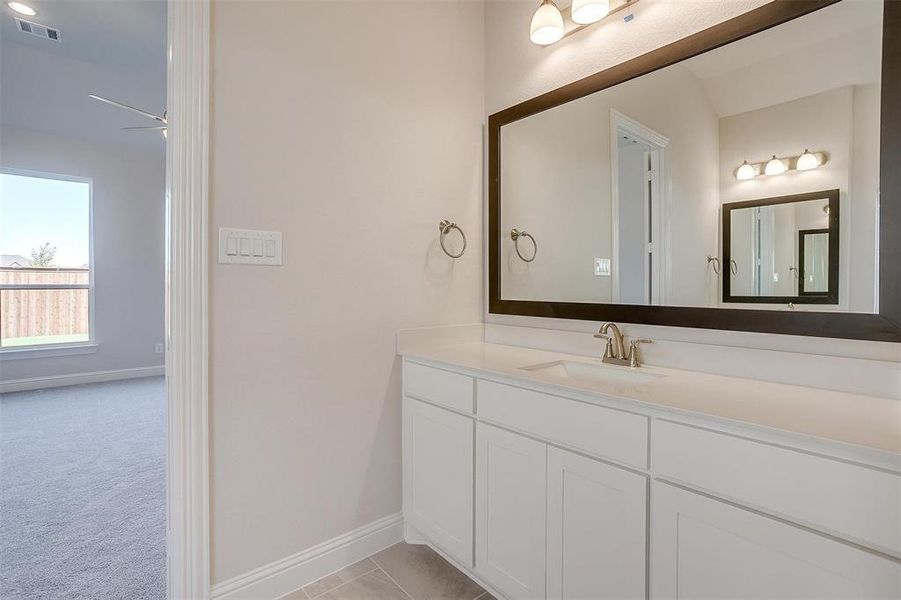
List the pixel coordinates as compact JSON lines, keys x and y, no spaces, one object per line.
{"x":601,"y":267}
{"x":249,"y":247}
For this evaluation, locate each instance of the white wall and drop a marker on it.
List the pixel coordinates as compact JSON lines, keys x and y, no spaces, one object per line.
{"x":353,"y":127}
{"x":129,"y":238}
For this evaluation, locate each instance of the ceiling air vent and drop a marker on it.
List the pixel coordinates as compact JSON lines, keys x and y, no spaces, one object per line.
{"x":36,"y":29}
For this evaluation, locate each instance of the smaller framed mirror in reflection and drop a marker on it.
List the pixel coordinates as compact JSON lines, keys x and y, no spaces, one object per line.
{"x":782,"y":250}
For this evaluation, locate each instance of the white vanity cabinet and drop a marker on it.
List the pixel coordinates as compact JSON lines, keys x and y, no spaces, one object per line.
{"x":510,"y":511}
{"x":704,"y":548}
{"x":558,"y":495}
{"x":596,"y":529}
{"x":552,"y":522}
{"x":439,"y":476}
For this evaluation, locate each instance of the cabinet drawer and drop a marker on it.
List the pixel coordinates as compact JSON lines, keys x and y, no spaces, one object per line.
{"x":836,"y":497}
{"x":614,"y":434}
{"x":439,"y":386}
{"x":702,"y":548}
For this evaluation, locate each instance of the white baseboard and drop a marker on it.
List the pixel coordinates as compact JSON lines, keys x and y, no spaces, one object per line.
{"x":40,"y":383}
{"x":293,"y":572}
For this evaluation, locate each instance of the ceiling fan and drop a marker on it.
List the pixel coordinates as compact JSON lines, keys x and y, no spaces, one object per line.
{"x":160,"y":118}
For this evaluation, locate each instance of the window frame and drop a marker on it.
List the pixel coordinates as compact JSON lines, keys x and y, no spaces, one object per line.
{"x":59,"y":348}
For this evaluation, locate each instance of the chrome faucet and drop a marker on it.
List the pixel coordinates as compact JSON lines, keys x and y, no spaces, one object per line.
{"x":615,"y":352}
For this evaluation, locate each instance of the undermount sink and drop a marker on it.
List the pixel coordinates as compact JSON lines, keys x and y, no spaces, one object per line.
{"x":568,"y":369}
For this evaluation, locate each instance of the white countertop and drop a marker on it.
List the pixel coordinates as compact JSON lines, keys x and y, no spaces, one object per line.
{"x":866,"y":421}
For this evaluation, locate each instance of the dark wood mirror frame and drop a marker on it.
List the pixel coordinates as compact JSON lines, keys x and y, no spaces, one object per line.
{"x":884,"y":325}
{"x":830,"y":296}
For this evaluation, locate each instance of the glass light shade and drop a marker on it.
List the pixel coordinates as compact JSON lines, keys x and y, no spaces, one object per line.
{"x":806,"y":161}
{"x":589,"y":11}
{"x":745,"y":171}
{"x":547,"y":24}
{"x":774,"y":166}
{"x":22,"y":9}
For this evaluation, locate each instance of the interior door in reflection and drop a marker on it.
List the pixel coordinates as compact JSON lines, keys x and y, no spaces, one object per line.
{"x":637,"y":239}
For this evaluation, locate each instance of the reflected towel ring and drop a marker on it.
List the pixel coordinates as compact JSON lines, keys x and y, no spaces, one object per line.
{"x":733,"y":266}
{"x":716,"y":263}
{"x":445,"y":227}
{"x":515,"y":234}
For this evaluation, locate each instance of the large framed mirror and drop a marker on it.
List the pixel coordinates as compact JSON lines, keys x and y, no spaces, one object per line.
{"x":701,"y":185}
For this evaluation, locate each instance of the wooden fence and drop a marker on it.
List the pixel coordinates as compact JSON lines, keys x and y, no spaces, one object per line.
{"x":34,"y":313}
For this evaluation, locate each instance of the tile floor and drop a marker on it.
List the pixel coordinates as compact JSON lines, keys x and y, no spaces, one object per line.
{"x":400,"y":572}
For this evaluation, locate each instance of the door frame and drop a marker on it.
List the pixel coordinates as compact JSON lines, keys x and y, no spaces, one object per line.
{"x":187,"y":297}
{"x":660,"y":194}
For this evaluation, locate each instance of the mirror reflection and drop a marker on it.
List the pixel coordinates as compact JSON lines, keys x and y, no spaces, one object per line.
{"x":777,"y":249}
{"x":626,"y":191}
{"x":814,"y":261}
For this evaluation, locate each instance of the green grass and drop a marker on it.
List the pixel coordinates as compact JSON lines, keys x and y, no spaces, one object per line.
{"x":40,"y":340}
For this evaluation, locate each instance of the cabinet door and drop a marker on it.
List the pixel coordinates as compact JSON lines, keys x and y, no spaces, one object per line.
{"x":596,"y":527}
{"x":438,"y":478}
{"x":510,"y":512}
{"x":703,"y":548}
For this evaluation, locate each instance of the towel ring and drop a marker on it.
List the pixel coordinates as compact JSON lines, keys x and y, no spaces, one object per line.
{"x":445,"y":227}
{"x":515,"y":234}
{"x":716,"y":263}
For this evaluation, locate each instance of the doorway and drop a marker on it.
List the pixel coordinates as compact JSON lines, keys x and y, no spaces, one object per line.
{"x":639,"y":213}
{"x":83,"y":336}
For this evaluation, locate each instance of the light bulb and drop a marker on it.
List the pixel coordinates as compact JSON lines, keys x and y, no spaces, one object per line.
{"x":589,"y":11}
{"x":547,"y":24}
{"x":745,"y":171}
{"x":22,"y":9}
{"x":806,"y":161}
{"x":774,"y":166}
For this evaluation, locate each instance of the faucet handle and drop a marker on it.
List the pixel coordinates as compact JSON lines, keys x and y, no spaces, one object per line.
{"x":608,"y":351}
{"x":633,"y":351}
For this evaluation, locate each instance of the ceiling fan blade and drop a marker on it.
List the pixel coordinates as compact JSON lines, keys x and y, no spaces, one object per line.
{"x":158,"y":127}
{"x":127,"y":107}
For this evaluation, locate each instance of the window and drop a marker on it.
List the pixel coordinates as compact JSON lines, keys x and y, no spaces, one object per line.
{"x":46,"y":282}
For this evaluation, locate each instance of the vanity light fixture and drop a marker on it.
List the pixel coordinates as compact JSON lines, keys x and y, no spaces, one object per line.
{"x":22,"y":9}
{"x":774,"y":167}
{"x":745,"y":171}
{"x":547,"y":24}
{"x":807,"y":161}
{"x":585,"y":12}
{"x":550,"y":24}
{"x":777,"y":166}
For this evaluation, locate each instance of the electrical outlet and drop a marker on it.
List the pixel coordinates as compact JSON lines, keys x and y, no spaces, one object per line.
{"x":158,"y":348}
